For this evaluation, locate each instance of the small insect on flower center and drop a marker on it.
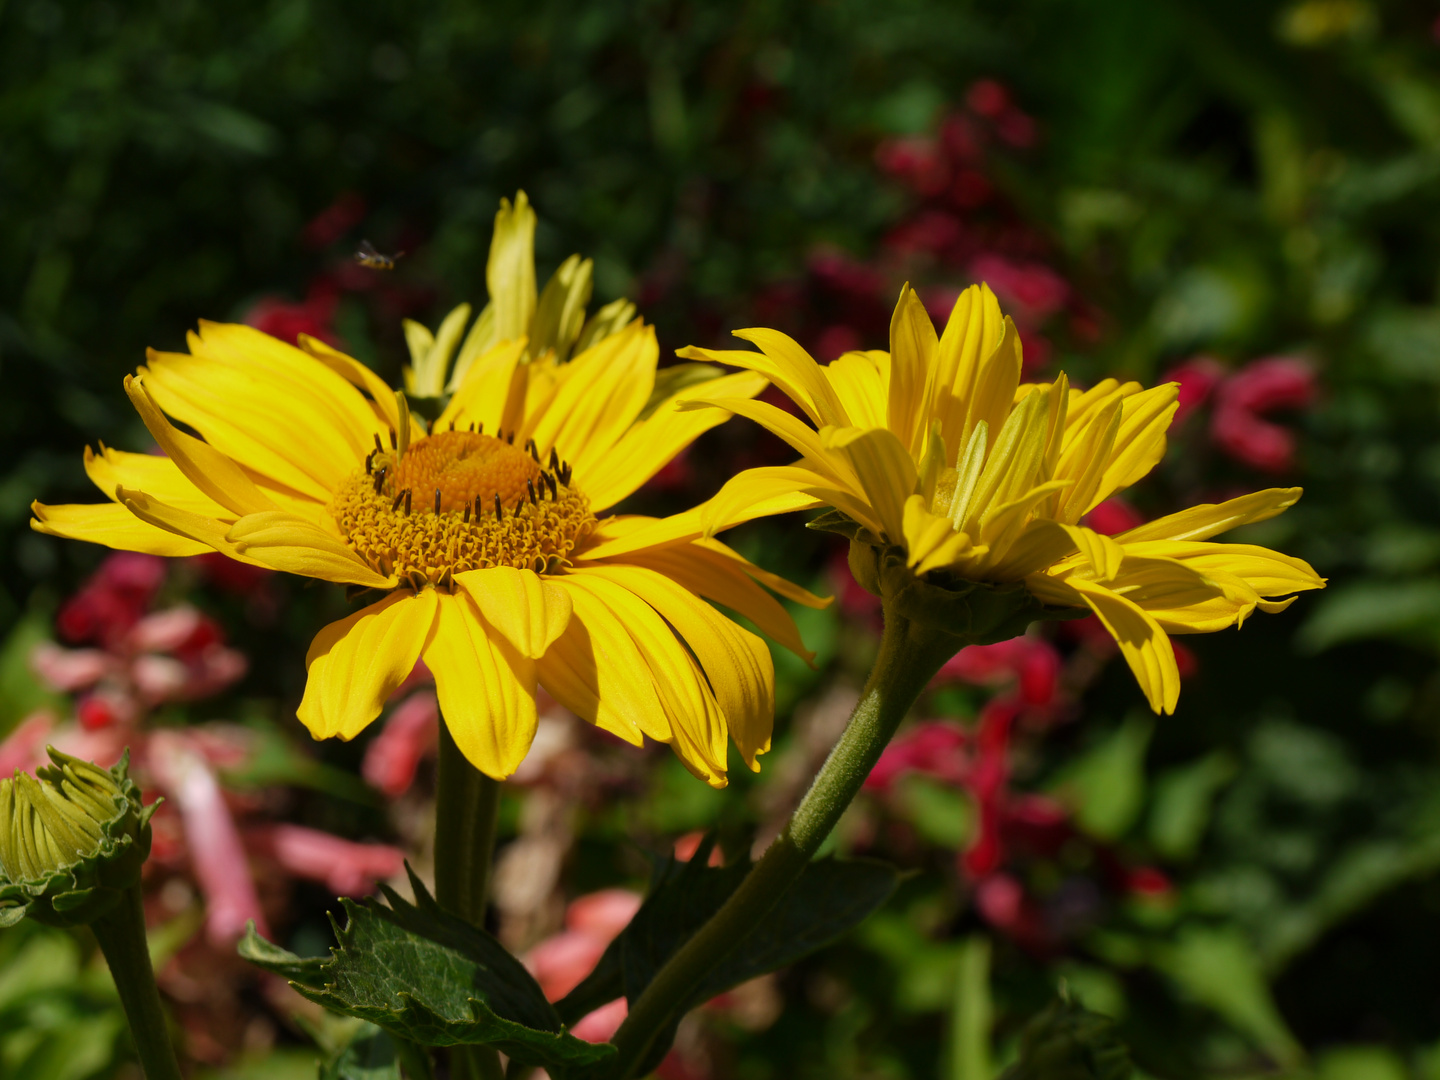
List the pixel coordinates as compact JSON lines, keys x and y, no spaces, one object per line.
{"x":461,"y":500}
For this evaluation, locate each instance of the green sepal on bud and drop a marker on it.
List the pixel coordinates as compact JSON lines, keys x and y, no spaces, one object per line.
{"x":1067,"y":1042}
{"x":979,"y":612}
{"x":73,"y":838}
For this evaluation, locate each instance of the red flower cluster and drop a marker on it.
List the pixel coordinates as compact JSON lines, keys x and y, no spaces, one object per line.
{"x":1242,"y":401}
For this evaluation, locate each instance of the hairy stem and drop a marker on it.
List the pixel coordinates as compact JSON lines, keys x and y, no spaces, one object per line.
{"x":909,"y":657}
{"x":121,"y":933}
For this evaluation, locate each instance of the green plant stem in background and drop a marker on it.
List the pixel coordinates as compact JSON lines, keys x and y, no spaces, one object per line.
{"x":121,"y":933}
{"x":467,"y":803}
{"x":910,"y":655}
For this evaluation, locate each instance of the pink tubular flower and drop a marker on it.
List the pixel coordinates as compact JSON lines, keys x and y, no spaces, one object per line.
{"x":1113,"y":516}
{"x":69,"y":670}
{"x":407,"y":737}
{"x":216,"y":854}
{"x":113,"y":599}
{"x":936,"y":748}
{"x":347,"y":868}
{"x":1237,"y":425}
{"x":1032,"y":287}
{"x":559,"y":963}
{"x":24,"y":747}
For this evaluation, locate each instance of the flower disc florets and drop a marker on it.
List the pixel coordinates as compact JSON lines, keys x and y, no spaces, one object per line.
{"x":457,"y":501}
{"x":72,"y":839}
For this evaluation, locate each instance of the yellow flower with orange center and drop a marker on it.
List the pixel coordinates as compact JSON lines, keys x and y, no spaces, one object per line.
{"x":486,"y":530}
{"x":936,"y":450}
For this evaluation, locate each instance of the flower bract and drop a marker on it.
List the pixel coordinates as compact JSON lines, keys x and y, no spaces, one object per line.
{"x":937,"y":453}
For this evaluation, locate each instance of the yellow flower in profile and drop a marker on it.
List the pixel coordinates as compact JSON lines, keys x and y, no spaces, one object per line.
{"x":938,"y":450}
{"x":485,"y":531}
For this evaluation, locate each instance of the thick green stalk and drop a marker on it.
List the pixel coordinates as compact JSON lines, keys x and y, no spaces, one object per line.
{"x":467,"y":803}
{"x":121,"y":933}
{"x":909,"y":657}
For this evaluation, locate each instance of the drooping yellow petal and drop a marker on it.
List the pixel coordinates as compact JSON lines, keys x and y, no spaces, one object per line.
{"x":206,"y":530}
{"x":1211,"y":519}
{"x":724,"y":579}
{"x":114,"y":526}
{"x":152,"y":473}
{"x":1142,"y":643}
{"x":284,"y":541}
{"x":1268,"y":572}
{"x":696,"y":724}
{"x":737,"y":664}
{"x":206,"y":468}
{"x":774,"y":582}
{"x":528,"y":611}
{"x":486,"y":689}
{"x":355,"y":664}
{"x":597,"y":672}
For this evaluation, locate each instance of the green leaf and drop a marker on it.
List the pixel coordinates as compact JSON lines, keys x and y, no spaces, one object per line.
{"x":830,"y":899}
{"x":1408,"y":610}
{"x":1220,"y":969}
{"x":1107,"y":785}
{"x":431,"y":978}
{"x":371,"y":1054}
{"x":1066,"y":1042}
{"x":1183,"y":798}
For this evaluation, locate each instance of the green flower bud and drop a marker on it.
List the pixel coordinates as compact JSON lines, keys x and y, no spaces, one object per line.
{"x":1066,"y":1042}
{"x":72,"y":839}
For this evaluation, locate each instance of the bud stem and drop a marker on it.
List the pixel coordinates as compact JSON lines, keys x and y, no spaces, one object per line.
{"x":121,"y":933}
{"x":910,"y":655}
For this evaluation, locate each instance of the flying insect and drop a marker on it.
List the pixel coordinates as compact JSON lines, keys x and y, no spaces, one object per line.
{"x":368,"y":257}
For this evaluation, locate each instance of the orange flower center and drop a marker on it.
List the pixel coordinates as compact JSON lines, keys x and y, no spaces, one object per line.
{"x":458,"y":501}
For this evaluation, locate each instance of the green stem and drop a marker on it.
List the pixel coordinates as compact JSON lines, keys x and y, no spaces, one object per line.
{"x":909,"y":657}
{"x":467,"y":804}
{"x":121,"y":933}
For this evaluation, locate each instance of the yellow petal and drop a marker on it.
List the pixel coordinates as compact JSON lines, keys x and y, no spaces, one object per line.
{"x":995,"y":382}
{"x":652,"y":443}
{"x":600,"y":393}
{"x":152,"y":473}
{"x":287,"y":542}
{"x":925,"y":532}
{"x":1102,"y":553}
{"x":180,"y":522}
{"x":486,"y":689}
{"x":724,"y":577}
{"x":788,"y":366}
{"x":114,"y":526}
{"x":214,"y":474}
{"x":597,"y":672}
{"x":1140,"y":441}
{"x":752,"y":488}
{"x":483,"y":393}
{"x":697,"y":727}
{"x":1142,"y":642}
{"x":774,"y":582}
{"x":528,"y":611}
{"x":806,"y":442}
{"x":614,"y":538}
{"x":912,"y":360}
{"x":738,"y":666}
{"x":884,"y":468}
{"x":355,"y":664}
{"x":1269,"y":573}
{"x":861,"y":387}
{"x":1041,"y":544}
{"x":382,"y":397}
{"x":510,"y":271}
{"x":1210,"y":519}
{"x":972,"y":332}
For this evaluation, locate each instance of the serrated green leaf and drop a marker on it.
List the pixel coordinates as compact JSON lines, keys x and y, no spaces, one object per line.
{"x":830,"y":899}
{"x":431,"y":978}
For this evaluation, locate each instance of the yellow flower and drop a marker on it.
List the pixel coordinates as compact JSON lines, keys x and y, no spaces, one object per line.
{"x":937,"y":449}
{"x":485,"y":531}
